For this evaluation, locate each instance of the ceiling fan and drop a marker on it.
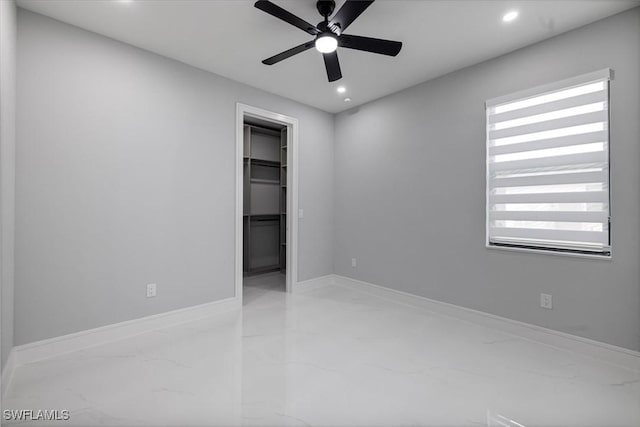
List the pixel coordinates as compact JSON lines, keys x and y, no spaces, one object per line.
{"x":329,"y":34}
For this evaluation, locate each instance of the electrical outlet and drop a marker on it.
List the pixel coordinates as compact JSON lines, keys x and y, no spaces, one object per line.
{"x":300,"y":213}
{"x":354,"y":262}
{"x":151,"y":290}
{"x":546,"y":301}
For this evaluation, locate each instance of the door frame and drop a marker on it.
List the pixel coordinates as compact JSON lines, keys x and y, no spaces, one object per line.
{"x":242,"y":111}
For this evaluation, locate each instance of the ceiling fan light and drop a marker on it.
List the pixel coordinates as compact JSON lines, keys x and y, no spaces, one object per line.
{"x":326,"y":43}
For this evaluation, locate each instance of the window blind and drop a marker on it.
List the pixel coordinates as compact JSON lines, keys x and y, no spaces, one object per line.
{"x":548,"y":167}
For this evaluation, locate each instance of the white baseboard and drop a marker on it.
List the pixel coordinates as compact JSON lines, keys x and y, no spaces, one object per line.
{"x":45,"y":349}
{"x":7,"y":372}
{"x":604,"y":352}
{"x":314,"y":283}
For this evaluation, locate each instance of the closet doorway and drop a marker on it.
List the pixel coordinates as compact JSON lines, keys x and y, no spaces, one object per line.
{"x":266,"y":184}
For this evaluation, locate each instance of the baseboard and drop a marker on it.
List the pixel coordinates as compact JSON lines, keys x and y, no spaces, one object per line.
{"x":7,"y":372}
{"x":314,"y":283}
{"x":45,"y":349}
{"x":619,"y":356}
{"x":48,"y":348}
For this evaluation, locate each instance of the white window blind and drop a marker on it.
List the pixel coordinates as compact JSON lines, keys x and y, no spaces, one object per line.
{"x":548,"y":167}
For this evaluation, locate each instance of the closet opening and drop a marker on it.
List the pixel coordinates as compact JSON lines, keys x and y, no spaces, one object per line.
{"x":266,"y":256}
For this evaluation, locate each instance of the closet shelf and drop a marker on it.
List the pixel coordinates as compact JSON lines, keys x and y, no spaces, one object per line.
{"x":265,"y":269}
{"x":273,"y":216}
{"x":263,"y":162}
{"x":265,"y":181}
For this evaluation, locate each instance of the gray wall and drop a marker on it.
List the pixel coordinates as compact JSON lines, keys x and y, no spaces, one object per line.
{"x":410,"y":192}
{"x":125,"y":176}
{"x":7,"y":168}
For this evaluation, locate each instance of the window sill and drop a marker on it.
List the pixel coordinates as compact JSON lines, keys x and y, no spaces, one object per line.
{"x":550,"y":252}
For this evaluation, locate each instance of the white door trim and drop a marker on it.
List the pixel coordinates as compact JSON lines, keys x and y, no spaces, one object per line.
{"x":242,"y":111}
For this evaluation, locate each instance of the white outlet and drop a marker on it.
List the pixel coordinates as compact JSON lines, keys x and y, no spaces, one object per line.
{"x":300,"y":213}
{"x":151,"y":290}
{"x":354,"y":262}
{"x":546,"y":301}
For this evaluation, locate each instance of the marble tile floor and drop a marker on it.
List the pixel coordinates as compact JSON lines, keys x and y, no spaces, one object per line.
{"x":262,"y":286}
{"x":329,"y":356}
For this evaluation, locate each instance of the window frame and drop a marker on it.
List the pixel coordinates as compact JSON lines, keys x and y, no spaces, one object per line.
{"x":607,"y":253}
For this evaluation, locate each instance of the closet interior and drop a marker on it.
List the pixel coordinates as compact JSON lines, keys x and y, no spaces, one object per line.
{"x":265,"y":197}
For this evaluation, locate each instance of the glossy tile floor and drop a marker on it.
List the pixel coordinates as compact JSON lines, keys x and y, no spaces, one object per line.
{"x":330,"y":356}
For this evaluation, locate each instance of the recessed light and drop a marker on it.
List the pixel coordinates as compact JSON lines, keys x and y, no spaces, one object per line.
{"x":341,"y":89}
{"x":510,"y":16}
{"x":347,"y":100}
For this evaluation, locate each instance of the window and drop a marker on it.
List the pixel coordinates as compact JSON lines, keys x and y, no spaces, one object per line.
{"x":548,"y":167}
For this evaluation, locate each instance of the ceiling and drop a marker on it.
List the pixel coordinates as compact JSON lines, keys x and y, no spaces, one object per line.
{"x":231,"y":37}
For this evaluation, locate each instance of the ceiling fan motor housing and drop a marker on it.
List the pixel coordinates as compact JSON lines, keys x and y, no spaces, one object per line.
{"x":326,"y":7}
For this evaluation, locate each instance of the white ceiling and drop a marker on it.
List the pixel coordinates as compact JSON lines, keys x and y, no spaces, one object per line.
{"x":231,"y":37}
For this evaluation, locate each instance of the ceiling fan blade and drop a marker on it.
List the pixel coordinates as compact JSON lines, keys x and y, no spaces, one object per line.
{"x":349,"y":12}
{"x":289,"y":53}
{"x":368,"y":44}
{"x":332,"y":65}
{"x":278,"y":12}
